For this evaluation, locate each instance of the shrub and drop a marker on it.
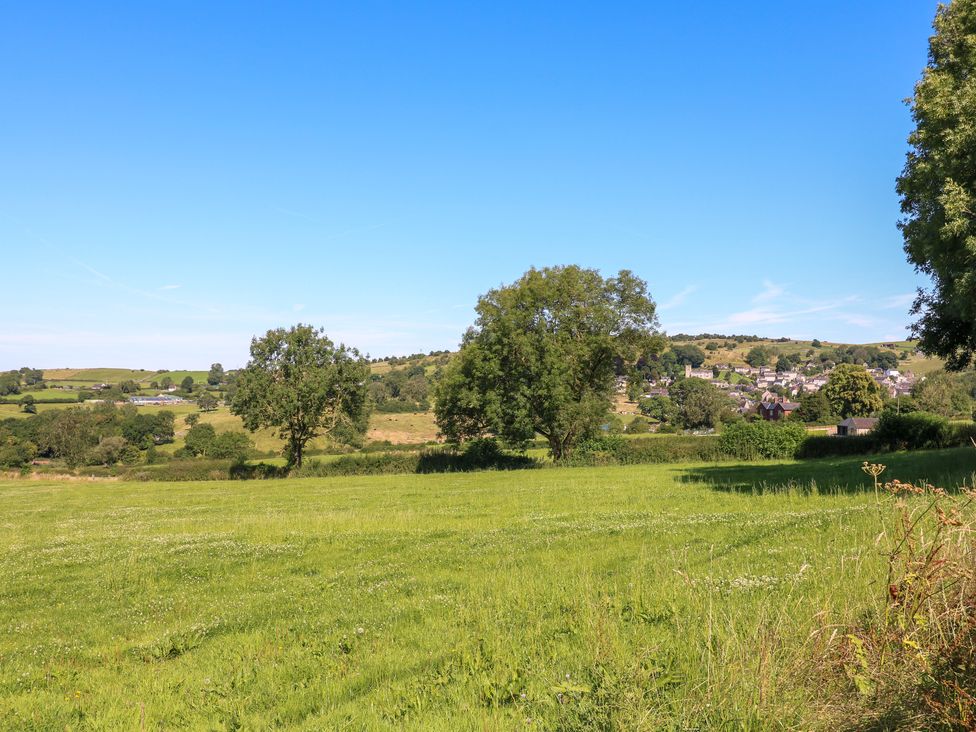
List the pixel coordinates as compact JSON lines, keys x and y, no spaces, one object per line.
{"x":638,"y":426}
{"x":613,"y":450}
{"x":756,"y":440}
{"x":360,"y":464}
{"x":199,"y":440}
{"x":477,"y":455}
{"x":259,"y":471}
{"x":16,"y":453}
{"x":964,"y":434}
{"x":181,"y":470}
{"x":912,"y":431}
{"x":234,"y":446}
{"x":825,"y":446}
{"x":907,"y":662}
{"x":112,"y":450}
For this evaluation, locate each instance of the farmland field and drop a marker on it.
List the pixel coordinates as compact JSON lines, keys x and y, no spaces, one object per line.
{"x":643,"y":597}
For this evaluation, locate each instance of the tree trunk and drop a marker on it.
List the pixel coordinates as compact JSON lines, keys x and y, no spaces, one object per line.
{"x":295,"y":449}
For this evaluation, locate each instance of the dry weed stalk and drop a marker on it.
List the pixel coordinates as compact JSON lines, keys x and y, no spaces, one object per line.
{"x":913,"y":663}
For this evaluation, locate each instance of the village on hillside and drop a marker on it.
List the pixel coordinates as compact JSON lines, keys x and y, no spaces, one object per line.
{"x":774,"y":388}
{"x":771,"y":393}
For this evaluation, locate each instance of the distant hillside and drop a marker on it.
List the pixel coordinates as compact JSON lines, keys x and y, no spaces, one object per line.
{"x":429,"y":361}
{"x":732,"y":350}
{"x":81,"y":378}
{"x":723,"y":350}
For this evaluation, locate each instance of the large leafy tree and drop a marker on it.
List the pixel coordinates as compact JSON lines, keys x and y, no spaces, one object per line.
{"x":815,"y":407}
{"x":215,"y":376}
{"x":689,"y":354}
{"x":851,"y":392}
{"x":303,"y":385}
{"x":699,"y":403}
{"x":541,"y":357}
{"x":759,"y":356}
{"x":943,"y":394}
{"x":938,"y":188}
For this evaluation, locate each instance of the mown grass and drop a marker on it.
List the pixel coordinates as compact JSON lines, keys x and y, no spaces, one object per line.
{"x":611,"y":598}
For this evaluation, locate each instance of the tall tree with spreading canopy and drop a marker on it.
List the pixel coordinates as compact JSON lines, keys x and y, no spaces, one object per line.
{"x":300,"y":383}
{"x":215,"y":376}
{"x":938,"y":188}
{"x":851,"y":392}
{"x":540,"y":358}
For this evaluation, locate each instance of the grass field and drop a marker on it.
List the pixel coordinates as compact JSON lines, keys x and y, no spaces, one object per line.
{"x":643,"y":597}
{"x":80,"y":378}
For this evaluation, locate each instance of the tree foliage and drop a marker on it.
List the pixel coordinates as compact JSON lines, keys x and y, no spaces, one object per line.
{"x":689,"y":354}
{"x":658,"y":407}
{"x":938,"y":188}
{"x":852,"y":392}
{"x":207,"y":402}
{"x":215,"y":376}
{"x":300,"y":383}
{"x":759,"y":356}
{"x":699,"y":404}
{"x":815,"y":408}
{"x":542,"y":355}
{"x":943,"y":394}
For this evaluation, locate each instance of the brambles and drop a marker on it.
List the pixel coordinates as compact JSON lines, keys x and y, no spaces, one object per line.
{"x":910,"y":663}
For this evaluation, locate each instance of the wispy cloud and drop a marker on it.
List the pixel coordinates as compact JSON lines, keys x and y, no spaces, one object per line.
{"x":170,"y":287}
{"x":770,"y":291}
{"x":897,"y":301}
{"x":678,"y":298}
{"x":298,"y":307}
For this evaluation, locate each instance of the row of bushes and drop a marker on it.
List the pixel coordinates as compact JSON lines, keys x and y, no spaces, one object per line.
{"x":616,"y":450}
{"x":477,"y":455}
{"x":777,"y":440}
{"x":911,"y":431}
{"x":743,"y":441}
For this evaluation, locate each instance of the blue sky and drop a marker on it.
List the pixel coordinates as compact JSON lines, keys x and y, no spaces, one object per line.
{"x":177,"y":177}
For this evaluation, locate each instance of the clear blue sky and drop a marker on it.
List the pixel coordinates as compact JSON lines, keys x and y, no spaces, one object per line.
{"x":177,"y":177}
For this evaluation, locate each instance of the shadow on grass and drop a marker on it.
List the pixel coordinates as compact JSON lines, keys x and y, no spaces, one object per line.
{"x":945,"y":468}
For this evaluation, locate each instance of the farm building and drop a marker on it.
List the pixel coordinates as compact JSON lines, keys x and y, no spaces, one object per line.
{"x":162,"y":400}
{"x":856,"y":426}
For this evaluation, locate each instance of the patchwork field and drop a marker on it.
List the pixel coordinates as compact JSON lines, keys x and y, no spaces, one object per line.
{"x":643,"y":597}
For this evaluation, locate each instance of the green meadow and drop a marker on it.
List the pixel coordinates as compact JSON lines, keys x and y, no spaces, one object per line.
{"x":644,"y":597}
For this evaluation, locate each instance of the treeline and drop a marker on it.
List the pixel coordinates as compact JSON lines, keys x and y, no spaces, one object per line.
{"x":720,"y":337}
{"x":104,"y":434}
{"x":872,"y":356}
{"x":399,"y":360}
{"x":99,"y":435}
{"x":11,"y":382}
{"x":739,"y":441}
{"x":402,"y":390}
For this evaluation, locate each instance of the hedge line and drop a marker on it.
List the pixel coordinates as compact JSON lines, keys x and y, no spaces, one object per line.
{"x":744,"y":441}
{"x":614,"y":450}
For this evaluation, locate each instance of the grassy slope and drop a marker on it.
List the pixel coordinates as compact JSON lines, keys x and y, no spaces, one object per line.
{"x":631,"y":597}
{"x":85,"y":377}
{"x":80,"y":377}
{"x":737,"y":356}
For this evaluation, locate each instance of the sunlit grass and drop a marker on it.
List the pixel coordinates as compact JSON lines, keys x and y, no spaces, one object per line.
{"x":628,"y":598}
